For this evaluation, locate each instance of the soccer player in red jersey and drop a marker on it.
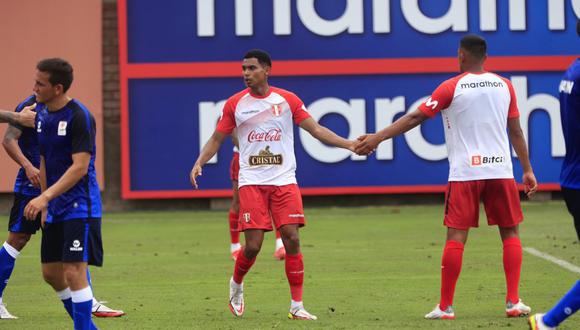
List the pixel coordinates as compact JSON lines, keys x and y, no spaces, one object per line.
{"x":477,"y":107}
{"x":263,"y":117}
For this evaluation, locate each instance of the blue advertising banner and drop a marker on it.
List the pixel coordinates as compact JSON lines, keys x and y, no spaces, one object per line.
{"x":357,"y":65}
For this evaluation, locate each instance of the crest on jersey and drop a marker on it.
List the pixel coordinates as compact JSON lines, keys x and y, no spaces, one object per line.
{"x":62,"y":128}
{"x":276,"y":110}
{"x":246,"y":217}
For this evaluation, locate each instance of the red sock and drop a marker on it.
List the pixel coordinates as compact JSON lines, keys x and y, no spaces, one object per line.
{"x":278,"y":233}
{"x":512,"y":265}
{"x":234,"y":233}
{"x":242,"y":267}
{"x":295,"y":275}
{"x":450,"y":269}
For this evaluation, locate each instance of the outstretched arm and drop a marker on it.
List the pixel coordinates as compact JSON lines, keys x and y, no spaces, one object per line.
{"x":11,"y":146}
{"x":369,"y":142}
{"x":325,"y":135}
{"x":207,"y":152}
{"x":520,"y":146}
{"x":25,"y":117}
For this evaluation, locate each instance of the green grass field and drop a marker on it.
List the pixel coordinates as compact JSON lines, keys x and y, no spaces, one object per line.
{"x":373,"y":267}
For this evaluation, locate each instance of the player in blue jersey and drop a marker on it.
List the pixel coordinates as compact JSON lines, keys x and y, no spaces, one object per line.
{"x":21,"y":144}
{"x":69,"y":202}
{"x":570,"y":183}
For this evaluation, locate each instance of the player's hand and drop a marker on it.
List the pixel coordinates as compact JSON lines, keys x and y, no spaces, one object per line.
{"x":33,"y":174}
{"x":35,"y":206}
{"x":530,"y":183}
{"x":195,"y":172}
{"x":367,"y":144}
{"x":27,"y":115}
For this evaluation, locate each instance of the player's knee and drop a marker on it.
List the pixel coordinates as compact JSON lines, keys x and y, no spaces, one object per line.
{"x":252,"y":249}
{"x":52,"y":278}
{"x":291,"y":240}
{"x":18,"y":241}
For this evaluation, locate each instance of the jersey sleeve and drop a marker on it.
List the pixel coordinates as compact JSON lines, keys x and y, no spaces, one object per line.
{"x":227,"y":121}
{"x":82,"y":131}
{"x":513,"y":111}
{"x":299,"y":112}
{"x":440,"y":99}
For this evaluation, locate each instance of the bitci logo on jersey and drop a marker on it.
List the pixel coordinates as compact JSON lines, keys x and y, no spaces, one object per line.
{"x":478,"y":160}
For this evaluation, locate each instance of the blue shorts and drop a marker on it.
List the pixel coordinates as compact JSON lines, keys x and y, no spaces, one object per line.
{"x":18,"y":223}
{"x":76,"y":240}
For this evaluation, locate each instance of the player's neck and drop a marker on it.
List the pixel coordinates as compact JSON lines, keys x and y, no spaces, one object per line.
{"x":474,"y":68}
{"x":261,"y":90}
{"x":57,"y":103}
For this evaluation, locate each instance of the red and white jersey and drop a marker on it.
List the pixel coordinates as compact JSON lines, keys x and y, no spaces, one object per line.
{"x":265,"y":131}
{"x":475,"y":108}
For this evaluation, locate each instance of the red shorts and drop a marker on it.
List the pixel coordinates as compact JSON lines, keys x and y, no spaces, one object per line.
{"x":235,"y":166}
{"x":260,"y":204}
{"x":500,"y":197}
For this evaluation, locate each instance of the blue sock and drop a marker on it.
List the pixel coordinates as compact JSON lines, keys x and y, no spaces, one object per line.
{"x":82,"y":305}
{"x":68,"y":305}
{"x":66,"y":299}
{"x":567,"y":306}
{"x":8,"y":256}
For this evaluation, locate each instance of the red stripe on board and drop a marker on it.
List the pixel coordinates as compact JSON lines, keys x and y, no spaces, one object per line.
{"x":124,"y":91}
{"x":214,"y":193}
{"x":347,"y":67}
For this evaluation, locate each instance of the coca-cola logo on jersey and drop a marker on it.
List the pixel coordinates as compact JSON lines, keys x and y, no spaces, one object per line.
{"x":274,"y":134}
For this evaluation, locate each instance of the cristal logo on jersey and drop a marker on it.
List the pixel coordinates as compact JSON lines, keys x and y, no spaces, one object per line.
{"x":265,"y":157}
{"x":272,"y":135}
{"x":478,"y":160}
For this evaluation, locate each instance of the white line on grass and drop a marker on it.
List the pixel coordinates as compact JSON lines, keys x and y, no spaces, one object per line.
{"x":559,"y":262}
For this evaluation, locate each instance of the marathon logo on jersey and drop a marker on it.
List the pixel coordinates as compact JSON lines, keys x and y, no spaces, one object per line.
{"x":62,"y":128}
{"x":481,"y":84}
{"x":272,"y":135}
{"x":478,"y":160}
{"x":265,"y":157}
{"x":76,"y":246}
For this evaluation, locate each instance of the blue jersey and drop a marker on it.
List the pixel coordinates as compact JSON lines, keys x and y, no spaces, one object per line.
{"x":61,"y":134}
{"x":28,"y":143}
{"x":570,"y":114}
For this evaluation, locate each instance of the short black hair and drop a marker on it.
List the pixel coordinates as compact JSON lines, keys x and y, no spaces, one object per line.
{"x":262,"y":57}
{"x":59,"y":70}
{"x":475,"y":45}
